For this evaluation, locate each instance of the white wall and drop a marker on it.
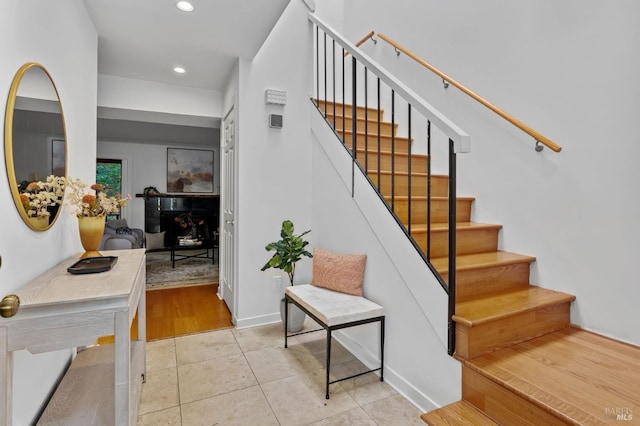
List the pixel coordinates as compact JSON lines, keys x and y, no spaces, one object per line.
{"x":31,"y":31}
{"x":567,"y":69}
{"x":332,"y":11}
{"x":274,"y":166}
{"x":131,"y":94}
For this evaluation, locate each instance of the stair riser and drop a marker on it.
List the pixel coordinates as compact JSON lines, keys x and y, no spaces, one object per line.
{"x":456,"y":414}
{"x":371,"y":114}
{"x":468,"y":241}
{"x":439,"y":211}
{"x":397,"y":144}
{"x":401,"y":164}
{"x":501,"y":404}
{"x":439,"y":185}
{"x":371,"y":126}
{"x":494,"y":335}
{"x":477,"y":282}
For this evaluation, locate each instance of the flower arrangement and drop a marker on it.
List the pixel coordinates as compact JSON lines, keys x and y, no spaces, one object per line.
{"x":40,"y":196}
{"x":92,"y":200}
{"x":186,"y":220}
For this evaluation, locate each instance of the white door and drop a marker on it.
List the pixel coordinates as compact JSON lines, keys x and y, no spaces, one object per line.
{"x":228,"y":194}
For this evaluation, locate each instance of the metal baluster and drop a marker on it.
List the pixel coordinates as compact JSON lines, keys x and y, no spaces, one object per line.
{"x":429,"y":190}
{"x":354,"y":96}
{"x":344,"y":139}
{"x":393,"y":151}
{"x":325,"y":74}
{"x":333,"y":63}
{"x":317,"y":66}
{"x":410,"y":201}
{"x":452,"y":248}
{"x":378,"y":119}
{"x":366,"y":120}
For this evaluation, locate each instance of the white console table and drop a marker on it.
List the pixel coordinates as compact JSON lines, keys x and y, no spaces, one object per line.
{"x":60,"y":310}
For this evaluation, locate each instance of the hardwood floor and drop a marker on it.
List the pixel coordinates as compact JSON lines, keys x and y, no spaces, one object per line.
{"x":185,"y":310}
{"x":179,"y":311}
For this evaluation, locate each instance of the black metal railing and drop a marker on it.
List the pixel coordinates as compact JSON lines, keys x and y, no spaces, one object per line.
{"x":385,"y":169}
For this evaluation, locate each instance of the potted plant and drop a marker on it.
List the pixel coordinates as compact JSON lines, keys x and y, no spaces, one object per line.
{"x":288,"y":251}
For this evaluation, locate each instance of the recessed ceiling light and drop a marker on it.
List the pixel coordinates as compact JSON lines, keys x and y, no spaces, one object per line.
{"x":185,"y":6}
{"x":179,"y":70}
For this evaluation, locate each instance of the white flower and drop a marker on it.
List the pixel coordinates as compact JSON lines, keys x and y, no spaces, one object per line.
{"x":93,"y":200}
{"x":39,"y":196}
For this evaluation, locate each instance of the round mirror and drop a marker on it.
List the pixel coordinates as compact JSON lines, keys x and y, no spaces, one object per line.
{"x":35,"y":146}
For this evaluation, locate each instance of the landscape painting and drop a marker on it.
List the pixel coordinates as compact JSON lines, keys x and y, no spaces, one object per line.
{"x":189,"y":170}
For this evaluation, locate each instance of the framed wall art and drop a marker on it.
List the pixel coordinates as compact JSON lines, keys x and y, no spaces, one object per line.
{"x":189,"y":170}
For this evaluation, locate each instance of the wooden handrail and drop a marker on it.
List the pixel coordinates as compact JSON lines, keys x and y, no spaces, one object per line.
{"x":362,"y":40}
{"x":460,"y":138}
{"x":537,"y":136}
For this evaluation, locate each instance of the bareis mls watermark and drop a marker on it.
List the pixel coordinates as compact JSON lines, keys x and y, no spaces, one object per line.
{"x":619,"y":413}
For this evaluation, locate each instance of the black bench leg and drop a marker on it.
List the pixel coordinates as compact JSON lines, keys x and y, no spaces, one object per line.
{"x":286,"y":320}
{"x":382,"y":350}
{"x":328,"y":360}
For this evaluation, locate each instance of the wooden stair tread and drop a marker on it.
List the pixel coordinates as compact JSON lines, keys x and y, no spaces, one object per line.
{"x":457,"y":414}
{"x":372,"y":151}
{"x":405,"y":174}
{"x":349,"y":115}
{"x":346,"y":105}
{"x":372,"y":134}
{"x":492,"y":307}
{"x":460,"y":226}
{"x":402,"y":141}
{"x":425,"y":198}
{"x":575,"y":375}
{"x":481,"y":260}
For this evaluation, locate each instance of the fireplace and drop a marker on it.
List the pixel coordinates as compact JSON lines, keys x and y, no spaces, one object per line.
{"x":161,"y":211}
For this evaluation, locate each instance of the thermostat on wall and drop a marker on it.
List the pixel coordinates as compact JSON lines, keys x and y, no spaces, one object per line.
{"x":275,"y":121}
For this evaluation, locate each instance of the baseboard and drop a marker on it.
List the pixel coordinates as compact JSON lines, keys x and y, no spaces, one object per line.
{"x":258,"y":320}
{"x":397,"y":382}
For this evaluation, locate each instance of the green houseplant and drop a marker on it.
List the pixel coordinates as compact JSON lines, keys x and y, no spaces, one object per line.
{"x":287,"y":252}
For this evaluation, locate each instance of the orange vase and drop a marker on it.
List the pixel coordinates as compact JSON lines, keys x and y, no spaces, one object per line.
{"x":91,"y":231}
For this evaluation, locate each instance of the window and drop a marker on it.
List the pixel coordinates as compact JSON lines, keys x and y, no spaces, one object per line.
{"x":109,"y":175}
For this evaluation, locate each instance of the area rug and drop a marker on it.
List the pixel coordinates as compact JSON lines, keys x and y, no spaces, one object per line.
{"x":194,"y":271}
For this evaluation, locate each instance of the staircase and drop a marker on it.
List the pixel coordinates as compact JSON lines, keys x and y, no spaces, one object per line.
{"x":523,"y":363}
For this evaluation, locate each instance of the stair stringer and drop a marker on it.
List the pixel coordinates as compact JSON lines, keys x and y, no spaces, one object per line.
{"x":396,"y":255}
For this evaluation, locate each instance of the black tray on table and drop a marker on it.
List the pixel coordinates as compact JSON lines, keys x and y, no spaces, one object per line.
{"x":92,"y":265}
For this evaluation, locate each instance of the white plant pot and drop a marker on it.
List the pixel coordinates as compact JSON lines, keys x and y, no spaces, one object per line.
{"x":296,"y":317}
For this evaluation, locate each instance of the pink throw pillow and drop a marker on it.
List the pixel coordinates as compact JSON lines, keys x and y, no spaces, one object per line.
{"x":338,"y":272}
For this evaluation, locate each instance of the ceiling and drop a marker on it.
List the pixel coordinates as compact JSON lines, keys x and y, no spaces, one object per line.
{"x":146,"y":39}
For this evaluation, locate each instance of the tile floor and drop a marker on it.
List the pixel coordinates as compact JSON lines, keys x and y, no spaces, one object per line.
{"x":246,"y":377}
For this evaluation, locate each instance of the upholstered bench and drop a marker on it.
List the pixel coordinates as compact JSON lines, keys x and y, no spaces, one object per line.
{"x":334,"y":311}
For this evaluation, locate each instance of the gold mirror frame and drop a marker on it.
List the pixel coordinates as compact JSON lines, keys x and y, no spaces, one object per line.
{"x":9,"y":146}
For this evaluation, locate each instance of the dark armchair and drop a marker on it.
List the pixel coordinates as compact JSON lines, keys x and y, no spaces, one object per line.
{"x":118,"y":235}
